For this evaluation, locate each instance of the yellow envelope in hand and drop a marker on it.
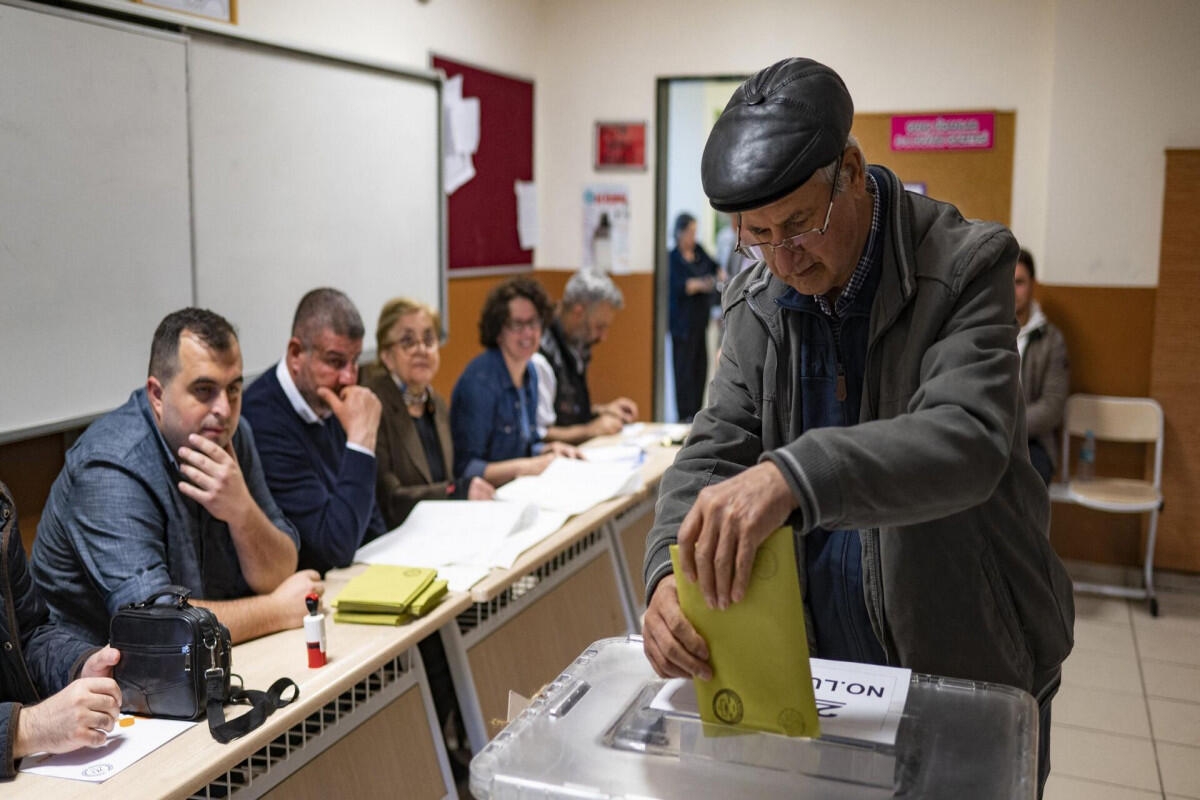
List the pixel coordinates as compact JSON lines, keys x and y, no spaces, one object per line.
{"x":758,"y":648}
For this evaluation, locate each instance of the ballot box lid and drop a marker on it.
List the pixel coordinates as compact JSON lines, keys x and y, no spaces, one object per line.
{"x":591,"y":733}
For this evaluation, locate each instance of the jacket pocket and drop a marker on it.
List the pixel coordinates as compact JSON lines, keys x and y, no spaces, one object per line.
{"x":1003,"y":609}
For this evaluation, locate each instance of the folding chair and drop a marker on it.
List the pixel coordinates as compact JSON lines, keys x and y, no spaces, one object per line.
{"x":1116,"y":419}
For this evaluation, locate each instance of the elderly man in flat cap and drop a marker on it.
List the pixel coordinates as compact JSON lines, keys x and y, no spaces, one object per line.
{"x":868,"y":396}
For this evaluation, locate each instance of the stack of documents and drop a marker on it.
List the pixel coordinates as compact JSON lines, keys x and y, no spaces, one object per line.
{"x":389,"y":595}
{"x":462,"y":541}
{"x":573,"y":486}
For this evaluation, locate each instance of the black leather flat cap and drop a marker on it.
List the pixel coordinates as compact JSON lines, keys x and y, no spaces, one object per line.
{"x":781,"y":125}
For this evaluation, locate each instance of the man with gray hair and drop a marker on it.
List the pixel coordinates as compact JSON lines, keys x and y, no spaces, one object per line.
{"x":868,"y":396}
{"x":565,"y":411}
{"x":316,"y":430}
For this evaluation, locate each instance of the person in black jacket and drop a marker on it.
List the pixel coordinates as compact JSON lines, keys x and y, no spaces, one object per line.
{"x":38,"y":659}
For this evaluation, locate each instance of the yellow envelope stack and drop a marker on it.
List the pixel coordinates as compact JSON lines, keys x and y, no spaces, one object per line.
{"x":388,"y":595}
{"x":758,"y":648}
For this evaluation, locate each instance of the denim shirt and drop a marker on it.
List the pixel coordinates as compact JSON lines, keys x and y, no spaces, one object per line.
{"x":490,"y":418}
{"x":832,"y":346}
{"x":116,"y":528}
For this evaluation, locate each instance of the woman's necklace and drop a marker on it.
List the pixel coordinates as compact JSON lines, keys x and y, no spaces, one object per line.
{"x":411,"y":399}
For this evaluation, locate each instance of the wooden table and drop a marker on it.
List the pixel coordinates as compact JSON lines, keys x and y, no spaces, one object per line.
{"x":363,"y":725}
{"x":580,"y":584}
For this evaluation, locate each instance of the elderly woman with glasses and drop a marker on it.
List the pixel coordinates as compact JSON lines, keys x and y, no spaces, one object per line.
{"x":414,"y":451}
{"x":494,"y":402}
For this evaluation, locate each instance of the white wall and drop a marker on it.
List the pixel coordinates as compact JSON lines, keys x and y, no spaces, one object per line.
{"x":893,"y":56}
{"x":1126,"y":86}
{"x":504,"y":36}
{"x":1099,"y":89}
{"x":688,"y":132}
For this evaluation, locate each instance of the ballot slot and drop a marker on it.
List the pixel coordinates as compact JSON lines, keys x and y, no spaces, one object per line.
{"x":644,"y":729}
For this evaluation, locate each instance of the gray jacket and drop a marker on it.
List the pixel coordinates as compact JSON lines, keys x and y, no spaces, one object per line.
{"x":1045,"y":384}
{"x":960,"y":579}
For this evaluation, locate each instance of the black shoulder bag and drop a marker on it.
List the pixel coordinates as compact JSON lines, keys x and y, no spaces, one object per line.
{"x":175,"y":662}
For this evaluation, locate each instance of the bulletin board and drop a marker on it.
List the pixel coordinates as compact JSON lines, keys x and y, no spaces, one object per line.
{"x":482,"y":214}
{"x":978,"y":182}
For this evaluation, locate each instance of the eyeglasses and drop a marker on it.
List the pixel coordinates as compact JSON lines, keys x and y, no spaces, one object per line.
{"x":518,"y":325}
{"x":760,"y":251}
{"x":409,"y":343}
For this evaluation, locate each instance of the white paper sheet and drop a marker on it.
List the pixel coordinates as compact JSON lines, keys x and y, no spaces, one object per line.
{"x":506,"y":553}
{"x":132,"y":739}
{"x":629,"y":455}
{"x":572,"y":485}
{"x":854,"y":701}
{"x":440,"y":532}
{"x":460,"y":117}
{"x":463,"y":541}
{"x":860,"y":701}
{"x":461,"y":577}
{"x":527,"y":213}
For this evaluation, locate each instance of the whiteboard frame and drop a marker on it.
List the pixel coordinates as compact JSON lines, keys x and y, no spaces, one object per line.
{"x":174,"y":26}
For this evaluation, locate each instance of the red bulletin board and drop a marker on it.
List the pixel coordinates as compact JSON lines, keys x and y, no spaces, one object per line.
{"x":482,"y":224}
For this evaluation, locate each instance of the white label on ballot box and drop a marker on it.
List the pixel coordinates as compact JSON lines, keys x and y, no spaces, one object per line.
{"x":854,"y":701}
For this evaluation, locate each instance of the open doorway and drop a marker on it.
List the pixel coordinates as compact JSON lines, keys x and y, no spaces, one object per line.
{"x":687,"y":108}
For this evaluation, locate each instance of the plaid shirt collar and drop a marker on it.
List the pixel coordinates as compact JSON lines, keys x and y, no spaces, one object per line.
{"x":864,"y":262}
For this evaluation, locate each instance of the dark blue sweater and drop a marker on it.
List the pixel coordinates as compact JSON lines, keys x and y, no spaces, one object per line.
{"x":326,"y":489}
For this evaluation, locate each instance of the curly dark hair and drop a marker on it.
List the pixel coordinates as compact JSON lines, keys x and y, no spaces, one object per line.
{"x":495,"y":307}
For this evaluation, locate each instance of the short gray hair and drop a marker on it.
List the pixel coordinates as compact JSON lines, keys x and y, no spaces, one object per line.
{"x":826,"y":172}
{"x":326,"y":309}
{"x":589,"y":287}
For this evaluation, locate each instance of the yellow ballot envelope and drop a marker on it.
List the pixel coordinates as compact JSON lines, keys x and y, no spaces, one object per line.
{"x":758,"y":648}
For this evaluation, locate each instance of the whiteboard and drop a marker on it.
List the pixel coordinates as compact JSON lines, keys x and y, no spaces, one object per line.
{"x":142,"y":171}
{"x":310,"y":172}
{"x":94,"y":212}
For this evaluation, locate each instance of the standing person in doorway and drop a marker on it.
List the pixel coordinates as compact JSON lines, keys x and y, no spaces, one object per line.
{"x":693,"y":290}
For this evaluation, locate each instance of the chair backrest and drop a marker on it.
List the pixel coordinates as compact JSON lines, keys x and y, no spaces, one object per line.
{"x":1113,"y":419}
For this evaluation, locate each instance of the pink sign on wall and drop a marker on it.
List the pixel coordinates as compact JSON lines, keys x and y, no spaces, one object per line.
{"x":943,"y":132}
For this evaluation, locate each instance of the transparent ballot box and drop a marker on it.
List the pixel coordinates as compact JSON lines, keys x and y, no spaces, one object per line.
{"x":592,"y":733}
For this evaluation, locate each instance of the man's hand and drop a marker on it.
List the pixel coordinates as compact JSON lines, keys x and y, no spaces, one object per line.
{"x":214,"y":479}
{"x":358,"y":409}
{"x":288,"y":598}
{"x":100,"y":663}
{"x":672,"y":645}
{"x":563,"y":449}
{"x":76,"y":717}
{"x":622,"y":408}
{"x":720,"y":535}
{"x":603,"y":425}
{"x":479,"y":489}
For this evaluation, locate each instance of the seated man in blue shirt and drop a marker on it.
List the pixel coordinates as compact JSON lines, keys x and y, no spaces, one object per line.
{"x":316,"y":430}
{"x":168,"y":490}
{"x":81,"y":700}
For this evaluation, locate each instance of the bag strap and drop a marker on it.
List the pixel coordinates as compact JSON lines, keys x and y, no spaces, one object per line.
{"x":179,"y":593}
{"x":262,"y":705}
